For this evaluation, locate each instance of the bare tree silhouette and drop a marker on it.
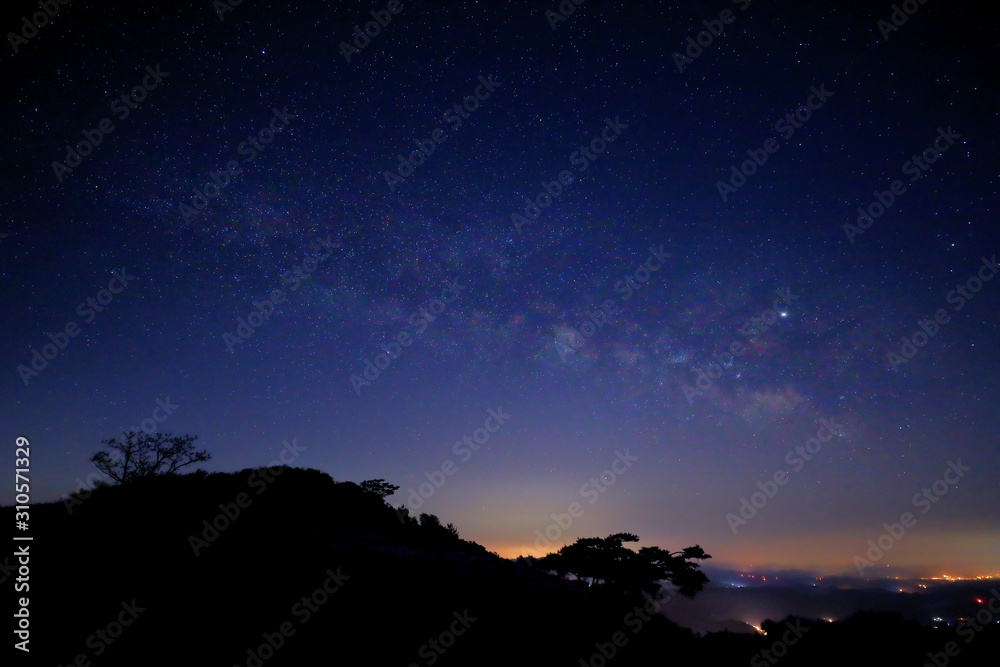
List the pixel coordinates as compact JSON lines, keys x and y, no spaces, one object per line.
{"x":135,"y":455}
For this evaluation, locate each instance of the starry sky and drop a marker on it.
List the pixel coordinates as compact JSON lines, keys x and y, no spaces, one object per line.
{"x":714,"y":273}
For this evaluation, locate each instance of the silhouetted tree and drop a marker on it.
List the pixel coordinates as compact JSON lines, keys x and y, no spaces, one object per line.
{"x":379,"y":487}
{"x":606,"y":561}
{"x":433,"y":523}
{"x":135,"y":455}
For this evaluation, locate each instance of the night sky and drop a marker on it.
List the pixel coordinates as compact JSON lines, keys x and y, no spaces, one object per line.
{"x":584,"y":274}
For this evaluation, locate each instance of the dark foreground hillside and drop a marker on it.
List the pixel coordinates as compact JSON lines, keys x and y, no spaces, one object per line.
{"x":312,"y":571}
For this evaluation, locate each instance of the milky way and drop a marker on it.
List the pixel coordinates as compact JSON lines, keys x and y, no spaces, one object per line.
{"x":693,"y":253}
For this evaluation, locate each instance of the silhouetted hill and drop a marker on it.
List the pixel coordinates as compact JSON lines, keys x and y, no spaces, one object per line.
{"x":209,"y":592}
{"x":218,"y":563}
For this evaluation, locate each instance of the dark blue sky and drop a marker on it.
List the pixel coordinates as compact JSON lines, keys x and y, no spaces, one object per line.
{"x":578,"y":223}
